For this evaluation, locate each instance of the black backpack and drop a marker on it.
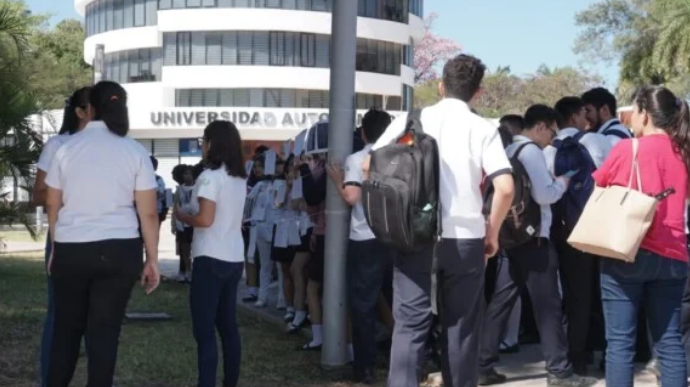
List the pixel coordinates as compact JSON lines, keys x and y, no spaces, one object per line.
{"x":401,"y":197}
{"x":523,"y":221}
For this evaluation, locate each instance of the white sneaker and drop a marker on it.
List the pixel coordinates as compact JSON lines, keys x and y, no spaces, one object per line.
{"x":260,"y":304}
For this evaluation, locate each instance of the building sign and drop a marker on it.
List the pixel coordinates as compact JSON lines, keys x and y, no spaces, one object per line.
{"x":189,"y":147}
{"x":244,"y":119}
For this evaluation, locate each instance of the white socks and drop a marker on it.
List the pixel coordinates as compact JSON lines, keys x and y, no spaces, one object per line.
{"x":300,"y":316}
{"x":317,"y":335}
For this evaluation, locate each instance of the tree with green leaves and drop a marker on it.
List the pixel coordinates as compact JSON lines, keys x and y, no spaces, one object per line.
{"x":504,"y":92}
{"x":649,"y":38}
{"x":20,"y":145}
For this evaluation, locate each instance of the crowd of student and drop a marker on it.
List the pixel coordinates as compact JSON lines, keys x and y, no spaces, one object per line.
{"x":268,"y":218}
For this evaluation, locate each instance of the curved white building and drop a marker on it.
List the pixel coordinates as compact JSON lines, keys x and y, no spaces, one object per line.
{"x":263,"y":64}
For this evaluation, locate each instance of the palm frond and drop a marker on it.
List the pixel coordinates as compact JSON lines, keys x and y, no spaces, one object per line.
{"x":13,"y":26}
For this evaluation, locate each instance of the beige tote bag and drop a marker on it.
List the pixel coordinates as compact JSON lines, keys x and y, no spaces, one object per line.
{"x":615,"y":219}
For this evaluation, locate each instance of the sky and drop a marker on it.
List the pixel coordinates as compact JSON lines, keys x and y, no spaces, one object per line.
{"x":522,"y":34}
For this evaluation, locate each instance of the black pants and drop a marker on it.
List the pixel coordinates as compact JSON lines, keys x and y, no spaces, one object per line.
{"x":577,"y":271}
{"x":533,"y":265}
{"x":92,"y":283}
{"x":367,"y":262}
{"x":460,"y":273}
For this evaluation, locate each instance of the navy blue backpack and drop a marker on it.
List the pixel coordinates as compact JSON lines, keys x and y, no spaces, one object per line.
{"x":571,"y":155}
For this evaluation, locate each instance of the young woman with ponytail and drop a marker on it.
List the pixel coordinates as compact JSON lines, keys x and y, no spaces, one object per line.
{"x":74,"y":120}
{"x":656,"y":280}
{"x":97,"y":246}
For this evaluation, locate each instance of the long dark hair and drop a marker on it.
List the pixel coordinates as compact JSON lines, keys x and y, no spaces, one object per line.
{"x":668,"y":113}
{"x":78,"y":100}
{"x":109,"y":101}
{"x":225,"y":148}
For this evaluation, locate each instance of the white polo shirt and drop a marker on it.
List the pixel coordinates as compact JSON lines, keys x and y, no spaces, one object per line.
{"x":611,"y":125}
{"x":469,"y":146}
{"x":596,"y":144}
{"x":98,"y":172}
{"x":49,"y":149}
{"x":545,"y":190}
{"x":223,"y":239}
{"x":359,"y":228}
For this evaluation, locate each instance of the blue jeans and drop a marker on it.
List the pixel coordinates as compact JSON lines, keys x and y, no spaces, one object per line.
{"x":213,"y":300}
{"x":657,"y":283}
{"x":47,"y":336}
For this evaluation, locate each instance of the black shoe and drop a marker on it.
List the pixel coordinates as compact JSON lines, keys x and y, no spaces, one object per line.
{"x":367,"y":378}
{"x":491,"y":377}
{"x":510,"y":350}
{"x":580,"y":369}
{"x":250,"y":298}
{"x":570,"y":381}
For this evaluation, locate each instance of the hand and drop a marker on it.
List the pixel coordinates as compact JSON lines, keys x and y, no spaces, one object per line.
{"x":335,"y":172}
{"x":150,"y":279}
{"x":490,"y":245}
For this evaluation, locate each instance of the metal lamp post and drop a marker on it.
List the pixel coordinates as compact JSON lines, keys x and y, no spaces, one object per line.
{"x":340,"y":132}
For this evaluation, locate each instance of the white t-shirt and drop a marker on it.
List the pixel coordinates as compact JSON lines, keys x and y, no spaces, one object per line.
{"x":49,"y":149}
{"x":223,"y":239}
{"x":359,"y":228}
{"x":98,"y":173}
{"x":613,"y":125}
{"x":468,"y":147}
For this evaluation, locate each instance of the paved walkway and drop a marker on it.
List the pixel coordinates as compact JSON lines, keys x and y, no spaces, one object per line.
{"x":523,"y":369}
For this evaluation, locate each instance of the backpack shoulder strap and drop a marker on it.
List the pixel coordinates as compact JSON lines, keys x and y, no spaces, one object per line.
{"x":414,"y":115}
{"x":580,"y":135}
{"x":615,"y":132}
{"x":520,"y":148}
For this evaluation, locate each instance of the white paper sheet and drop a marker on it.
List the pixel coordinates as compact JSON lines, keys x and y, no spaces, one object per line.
{"x":296,"y":192}
{"x":251,"y":246}
{"x":281,"y":237}
{"x":270,"y":163}
{"x":287,"y":148}
{"x":279,"y":188}
{"x":294,"y":234}
{"x":300,"y":141}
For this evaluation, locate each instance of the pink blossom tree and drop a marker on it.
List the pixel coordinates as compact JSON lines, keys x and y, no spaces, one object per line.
{"x":433,"y":51}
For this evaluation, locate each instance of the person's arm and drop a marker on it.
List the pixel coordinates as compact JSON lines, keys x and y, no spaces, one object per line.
{"x":208,"y":195}
{"x":498,"y":171}
{"x":40,"y":190}
{"x":348,"y":180}
{"x":146,"y":205}
{"x":53,"y":205}
{"x":545,"y":189}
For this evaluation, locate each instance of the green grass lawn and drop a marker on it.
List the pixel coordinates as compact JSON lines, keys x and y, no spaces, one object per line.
{"x":159,"y":354}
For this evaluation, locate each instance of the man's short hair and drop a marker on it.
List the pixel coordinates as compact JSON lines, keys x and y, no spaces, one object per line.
{"x":600,"y":97}
{"x":514,"y":122}
{"x":539,"y":113}
{"x":374,"y":123}
{"x":462,"y":77}
{"x":567,"y":107}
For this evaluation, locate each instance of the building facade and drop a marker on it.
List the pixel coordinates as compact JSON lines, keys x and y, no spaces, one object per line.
{"x":264,"y":64}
